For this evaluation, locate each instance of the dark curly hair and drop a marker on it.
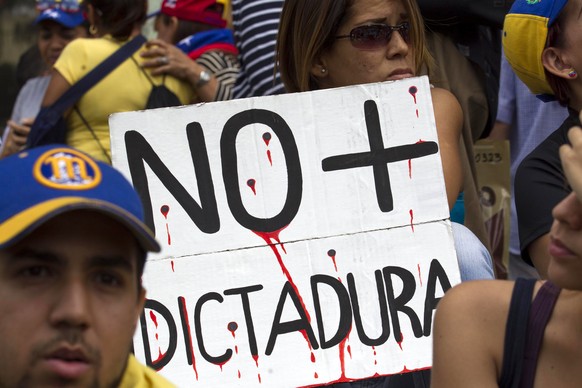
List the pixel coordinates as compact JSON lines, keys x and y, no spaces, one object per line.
{"x":119,"y":17}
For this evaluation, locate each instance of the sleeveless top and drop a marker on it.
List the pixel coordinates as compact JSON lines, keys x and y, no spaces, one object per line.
{"x":524,"y":332}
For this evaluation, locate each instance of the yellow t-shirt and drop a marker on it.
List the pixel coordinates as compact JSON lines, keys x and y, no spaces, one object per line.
{"x":126,"y":88}
{"x":138,"y":375}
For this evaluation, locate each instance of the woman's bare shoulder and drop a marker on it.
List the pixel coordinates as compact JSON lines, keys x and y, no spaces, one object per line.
{"x":469,"y":332}
{"x":448,"y":112}
{"x":444,"y":95}
{"x":480,"y":305}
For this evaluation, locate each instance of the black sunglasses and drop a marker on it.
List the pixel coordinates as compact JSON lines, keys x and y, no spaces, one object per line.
{"x":374,"y":36}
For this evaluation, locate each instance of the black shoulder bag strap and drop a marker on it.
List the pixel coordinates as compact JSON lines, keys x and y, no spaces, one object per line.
{"x":54,"y":112}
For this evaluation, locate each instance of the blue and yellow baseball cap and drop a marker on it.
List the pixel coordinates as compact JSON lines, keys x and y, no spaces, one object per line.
{"x":525,"y":33}
{"x":42,"y":183}
{"x":66,"y":12}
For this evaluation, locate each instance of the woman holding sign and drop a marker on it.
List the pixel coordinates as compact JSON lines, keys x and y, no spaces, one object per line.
{"x":333,"y":43}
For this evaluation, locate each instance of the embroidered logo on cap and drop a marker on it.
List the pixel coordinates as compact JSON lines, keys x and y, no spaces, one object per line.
{"x":66,"y":169}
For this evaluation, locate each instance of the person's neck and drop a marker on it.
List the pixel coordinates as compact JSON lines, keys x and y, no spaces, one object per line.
{"x":575,"y":102}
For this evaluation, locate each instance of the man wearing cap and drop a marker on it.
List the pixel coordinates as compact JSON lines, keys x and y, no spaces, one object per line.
{"x":59,"y":22}
{"x":73,"y":246}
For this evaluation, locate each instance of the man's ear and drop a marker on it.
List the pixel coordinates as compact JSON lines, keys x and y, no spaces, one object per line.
{"x":141,"y":298}
{"x":553,"y":62}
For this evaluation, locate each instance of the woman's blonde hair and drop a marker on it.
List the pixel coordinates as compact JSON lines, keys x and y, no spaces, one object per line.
{"x":309,"y":27}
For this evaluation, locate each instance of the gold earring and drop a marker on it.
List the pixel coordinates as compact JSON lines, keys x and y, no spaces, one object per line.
{"x":92,"y":29}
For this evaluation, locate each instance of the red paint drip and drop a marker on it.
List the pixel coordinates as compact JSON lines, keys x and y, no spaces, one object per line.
{"x":267,"y":138}
{"x":220,"y":364}
{"x":419,"y":274}
{"x":411,"y":220}
{"x":374,"y":349}
{"x":312,"y":357}
{"x":331,"y":253}
{"x":417,"y":113}
{"x":154,"y":318}
{"x":342,"y":358}
{"x":168,"y":233}
{"x":165,"y":209}
{"x":420,"y":141}
{"x":232,"y":326}
{"x":157,"y":337}
{"x":315,"y":375}
{"x":256,"y":358}
{"x":172,"y":262}
{"x":251,"y":183}
{"x":160,"y":356}
{"x":183,"y":301}
{"x":236,"y":349}
{"x":413,"y":90}
{"x":269,"y":157}
{"x":239,"y":374}
{"x":269,"y":237}
{"x":259,"y":377}
{"x":349,"y":349}
{"x":401,"y":340}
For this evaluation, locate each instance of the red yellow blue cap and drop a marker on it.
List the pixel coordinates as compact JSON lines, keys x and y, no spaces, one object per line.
{"x":525,"y":33}
{"x":42,"y":183}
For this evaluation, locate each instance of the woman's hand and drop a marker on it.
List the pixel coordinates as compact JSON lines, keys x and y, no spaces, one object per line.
{"x":165,"y":58}
{"x":15,"y":141}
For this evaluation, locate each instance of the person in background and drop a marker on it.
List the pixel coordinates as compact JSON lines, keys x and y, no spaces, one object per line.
{"x":73,"y":246}
{"x":525,"y":121}
{"x":550,"y":68}
{"x":205,"y":55}
{"x":126,"y":88}
{"x":255,"y":24}
{"x":58,"y":24}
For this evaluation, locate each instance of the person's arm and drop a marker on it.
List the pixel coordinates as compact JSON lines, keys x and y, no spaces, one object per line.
{"x":449,"y":120}
{"x":179,"y":65}
{"x":507,"y":102}
{"x":57,"y":87}
{"x":468,"y":336}
{"x":500,"y":131}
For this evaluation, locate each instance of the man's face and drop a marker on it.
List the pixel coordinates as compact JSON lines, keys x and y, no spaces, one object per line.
{"x":69,"y":300}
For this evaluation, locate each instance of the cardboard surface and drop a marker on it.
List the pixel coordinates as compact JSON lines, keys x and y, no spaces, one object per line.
{"x":301,"y":233}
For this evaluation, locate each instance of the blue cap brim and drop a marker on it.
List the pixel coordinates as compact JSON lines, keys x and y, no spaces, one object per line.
{"x":67,"y":19}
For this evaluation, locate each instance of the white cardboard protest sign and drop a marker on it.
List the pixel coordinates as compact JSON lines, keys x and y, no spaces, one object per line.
{"x":305,"y":236}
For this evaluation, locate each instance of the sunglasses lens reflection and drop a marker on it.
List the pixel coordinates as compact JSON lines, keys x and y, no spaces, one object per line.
{"x":377,"y":35}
